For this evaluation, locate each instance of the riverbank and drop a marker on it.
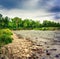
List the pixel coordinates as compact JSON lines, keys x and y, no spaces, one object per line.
{"x":18,"y":49}
{"x":25,"y":48}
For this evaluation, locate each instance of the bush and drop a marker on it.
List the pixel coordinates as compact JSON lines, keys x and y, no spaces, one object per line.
{"x":6,"y":31}
{"x":5,"y":37}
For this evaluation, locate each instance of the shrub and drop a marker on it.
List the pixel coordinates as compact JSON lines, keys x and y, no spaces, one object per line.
{"x":5,"y":37}
{"x":7,"y":31}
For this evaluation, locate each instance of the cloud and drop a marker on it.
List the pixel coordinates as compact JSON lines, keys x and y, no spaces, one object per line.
{"x":56,"y":6}
{"x":19,"y":4}
{"x":29,"y":4}
{"x":34,"y":9}
{"x":34,"y":15}
{"x":55,"y":9}
{"x":9,"y":4}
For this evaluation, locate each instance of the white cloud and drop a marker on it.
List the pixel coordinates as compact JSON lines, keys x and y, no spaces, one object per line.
{"x":27,"y":14}
{"x":29,"y":4}
{"x":36,"y":14}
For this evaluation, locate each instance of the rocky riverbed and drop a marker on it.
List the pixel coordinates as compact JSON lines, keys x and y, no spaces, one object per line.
{"x":33,"y":45}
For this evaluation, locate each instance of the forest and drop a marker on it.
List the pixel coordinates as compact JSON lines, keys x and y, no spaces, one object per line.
{"x":17,"y":23}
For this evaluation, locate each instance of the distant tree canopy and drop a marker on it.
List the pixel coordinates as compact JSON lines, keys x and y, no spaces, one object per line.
{"x":18,"y":23}
{"x":47,"y":23}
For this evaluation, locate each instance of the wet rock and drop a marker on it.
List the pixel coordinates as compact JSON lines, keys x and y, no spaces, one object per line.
{"x":47,"y":46}
{"x":53,"y":49}
{"x":57,"y":56}
{"x":47,"y":52}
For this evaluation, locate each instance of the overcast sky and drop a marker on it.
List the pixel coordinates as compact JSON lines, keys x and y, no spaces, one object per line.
{"x":32,"y":9}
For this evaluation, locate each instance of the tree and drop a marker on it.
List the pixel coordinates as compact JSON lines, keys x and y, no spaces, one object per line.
{"x":17,"y":22}
{"x":6,"y":21}
{"x":26,"y":23}
{"x":37,"y":24}
{"x":1,"y":21}
{"x":0,"y":15}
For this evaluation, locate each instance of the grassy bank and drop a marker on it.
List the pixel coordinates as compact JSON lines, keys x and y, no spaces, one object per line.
{"x":47,"y":28}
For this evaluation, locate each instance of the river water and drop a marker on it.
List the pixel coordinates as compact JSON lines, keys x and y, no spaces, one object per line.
{"x":50,"y":40}
{"x":40,"y":36}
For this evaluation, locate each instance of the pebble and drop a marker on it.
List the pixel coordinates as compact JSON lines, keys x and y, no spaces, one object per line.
{"x":57,"y":56}
{"x":46,"y":51}
{"x":53,"y":49}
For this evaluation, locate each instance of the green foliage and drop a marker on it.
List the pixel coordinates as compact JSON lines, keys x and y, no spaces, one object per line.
{"x":17,"y":23}
{"x":5,"y":37}
{"x":47,"y":23}
{"x":4,"y":22}
{"x":0,"y":15}
{"x":6,"y":31}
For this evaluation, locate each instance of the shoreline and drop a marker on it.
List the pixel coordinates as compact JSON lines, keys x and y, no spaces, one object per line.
{"x":25,"y":48}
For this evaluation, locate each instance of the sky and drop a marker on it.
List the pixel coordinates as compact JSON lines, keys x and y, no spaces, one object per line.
{"x":33,"y":9}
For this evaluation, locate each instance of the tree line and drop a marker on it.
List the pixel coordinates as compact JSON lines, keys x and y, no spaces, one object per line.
{"x":17,"y":23}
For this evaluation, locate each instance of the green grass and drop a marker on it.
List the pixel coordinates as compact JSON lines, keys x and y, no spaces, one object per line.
{"x":47,"y":28}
